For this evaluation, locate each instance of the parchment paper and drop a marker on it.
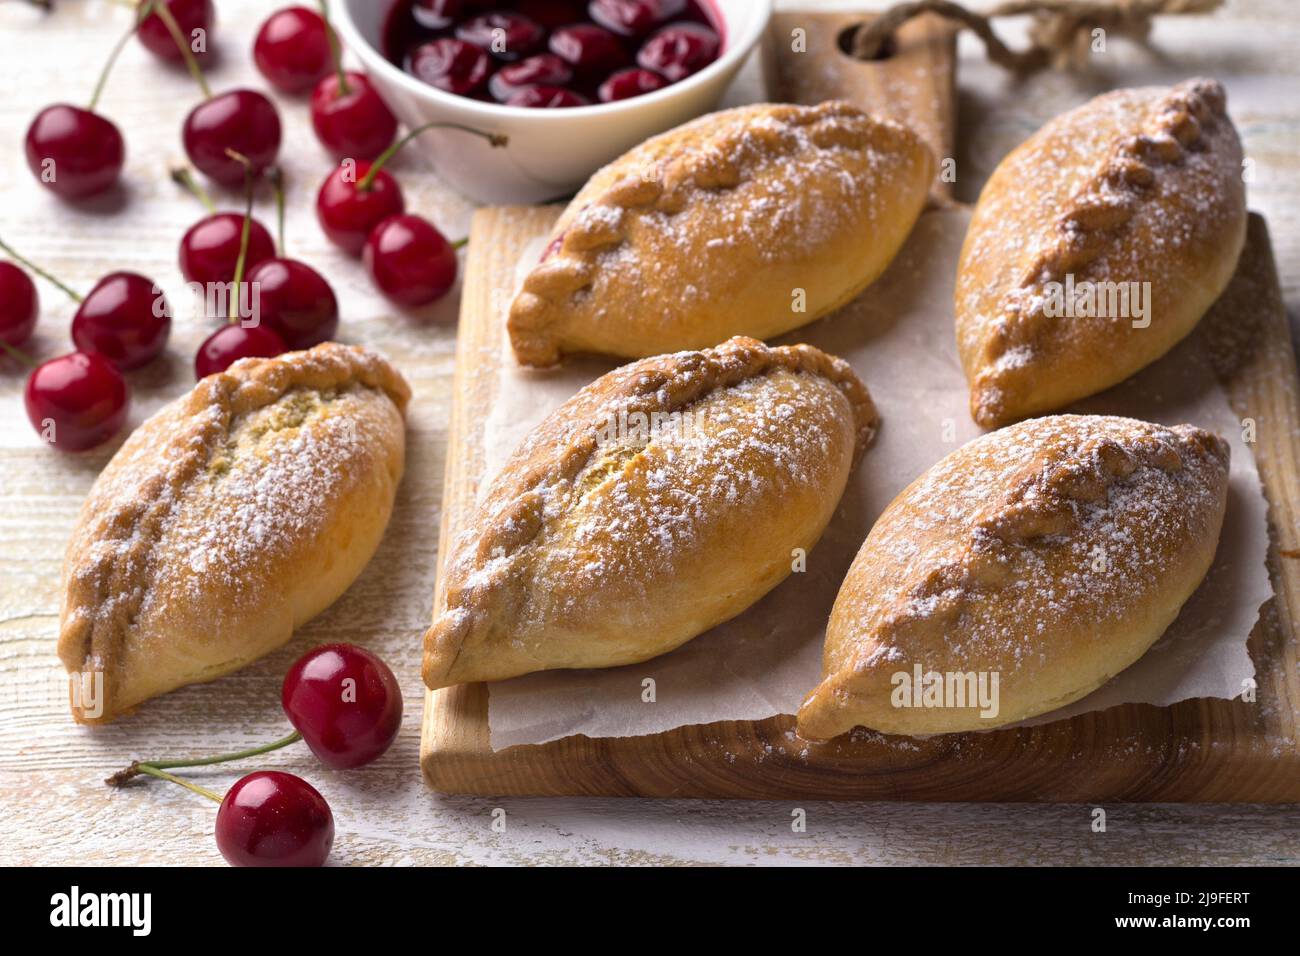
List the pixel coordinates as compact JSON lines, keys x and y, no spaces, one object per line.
{"x":899,"y":338}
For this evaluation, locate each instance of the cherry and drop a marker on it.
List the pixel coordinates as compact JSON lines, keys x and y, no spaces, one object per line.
{"x":591,"y":50}
{"x":628,"y":83}
{"x":73,"y":152}
{"x":210,"y":248}
{"x":356,"y":197}
{"x":295,"y":301}
{"x":351,"y":202}
{"x":76,"y":401}
{"x":551,"y":14}
{"x":345,"y":702}
{"x":679,"y":50}
{"x":271,"y":818}
{"x":437,"y":14}
{"x":230,"y":343}
{"x":410,"y":261}
{"x":546,"y":69}
{"x":546,"y":97}
{"x":508,"y":36}
{"x":634,"y":18}
{"x":292,"y":49}
{"x":19,"y":305}
{"x":244,"y":121}
{"x":350,"y":118}
{"x":125,"y":318}
{"x":190,"y":15}
{"x":452,"y":65}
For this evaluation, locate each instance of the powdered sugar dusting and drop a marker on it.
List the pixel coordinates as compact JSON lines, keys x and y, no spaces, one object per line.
{"x":1045,"y":521}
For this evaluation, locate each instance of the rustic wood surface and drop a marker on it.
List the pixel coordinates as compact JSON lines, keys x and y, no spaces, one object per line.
{"x":56,"y":811}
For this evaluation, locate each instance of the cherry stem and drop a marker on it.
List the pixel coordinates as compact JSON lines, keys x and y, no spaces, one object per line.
{"x":336,"y":54}
{"x":181,"y":177}
{"x":191,"y":64}
{"x":18,"y":354}
{"x":232,"y":313}
{"x":138,"y":767}
{"x":164,"y":775}
{"x":116,"y":51}
{"x":75,"y":296}
{"x":277,"y":184}
{"x":460,"y":243}
{"x":496,"y":139}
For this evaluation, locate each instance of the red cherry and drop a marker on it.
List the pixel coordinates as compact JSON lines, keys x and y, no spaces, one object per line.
{"x":410,"y":261}
{"x":679,"y":50}
{"x":19,"y":305}
{"x":241,"y":120}
{"x":230,"y":343}
{"x":292,"y":49}
{"x":546,"y":69}
{"x":295,"y":301}
{"x":451,"y":65}
{"x":345,"y":702}
{"x":507,"y":36}
{"x":76,"y":401}
{"x":190,"y":15}
{"x":347,"y":213}
{"x":634,"y":18}
{"x":626,"y":84}
{"x":73,"y":152}
{"x":591,"y":50}
{"x":125,"y":318}
{"x":551,"y":14}
{"x":437,"y":14}
{"x":546,"y":97}
{"x":356,"y":124}
{"x":210,"y":249}
{"x":270,"y":818}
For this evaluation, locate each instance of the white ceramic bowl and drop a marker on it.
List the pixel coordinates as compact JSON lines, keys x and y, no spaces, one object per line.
{"x":551,"y":152}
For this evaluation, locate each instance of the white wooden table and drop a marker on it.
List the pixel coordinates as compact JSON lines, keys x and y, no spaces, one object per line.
{"x":53,"y":808}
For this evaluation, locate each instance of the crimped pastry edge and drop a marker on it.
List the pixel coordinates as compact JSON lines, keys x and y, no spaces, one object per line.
{"x":571,"y":262}
{"x":1023,"y":510}
{"x":1089,"y":224}
{"x":87,"y":642}
{"x":510,"y":515}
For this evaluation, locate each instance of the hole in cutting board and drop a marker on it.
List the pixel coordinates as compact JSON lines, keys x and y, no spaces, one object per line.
{"x":887,"y":49}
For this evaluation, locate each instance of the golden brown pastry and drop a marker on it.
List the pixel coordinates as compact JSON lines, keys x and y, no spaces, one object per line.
{"x":1047,"y":556}
{"x":664,"y":498}
{"x":1135,"y":187}
{"x":229,"y":518}
{"x":752,"y":221}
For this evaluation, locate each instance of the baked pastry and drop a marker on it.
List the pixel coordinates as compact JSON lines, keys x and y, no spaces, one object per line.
{"x":229,"y":518}
{"x":1047,"y":556}
{"x":752,"y":221}
{"x":1096,"y":246}
{"x":664,"y":498}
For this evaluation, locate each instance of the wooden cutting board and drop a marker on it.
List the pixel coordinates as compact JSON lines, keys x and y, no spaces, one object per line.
{"x":1197,"y":750}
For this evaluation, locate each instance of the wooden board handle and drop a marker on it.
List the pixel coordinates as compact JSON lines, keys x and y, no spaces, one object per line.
{"x":805,"y":61}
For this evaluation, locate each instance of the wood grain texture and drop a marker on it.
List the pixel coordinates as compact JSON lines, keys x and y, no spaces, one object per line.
{"x":55,"y":809}
{"x":1198,"y":750}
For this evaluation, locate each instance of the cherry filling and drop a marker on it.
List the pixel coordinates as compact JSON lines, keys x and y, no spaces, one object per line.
{"x":551,"y":53}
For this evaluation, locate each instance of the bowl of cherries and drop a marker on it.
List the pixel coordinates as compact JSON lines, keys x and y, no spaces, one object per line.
{"x":573,"y":84}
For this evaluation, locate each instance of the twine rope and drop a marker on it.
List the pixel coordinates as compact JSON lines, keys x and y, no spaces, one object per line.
{"x":1060,"y":34}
